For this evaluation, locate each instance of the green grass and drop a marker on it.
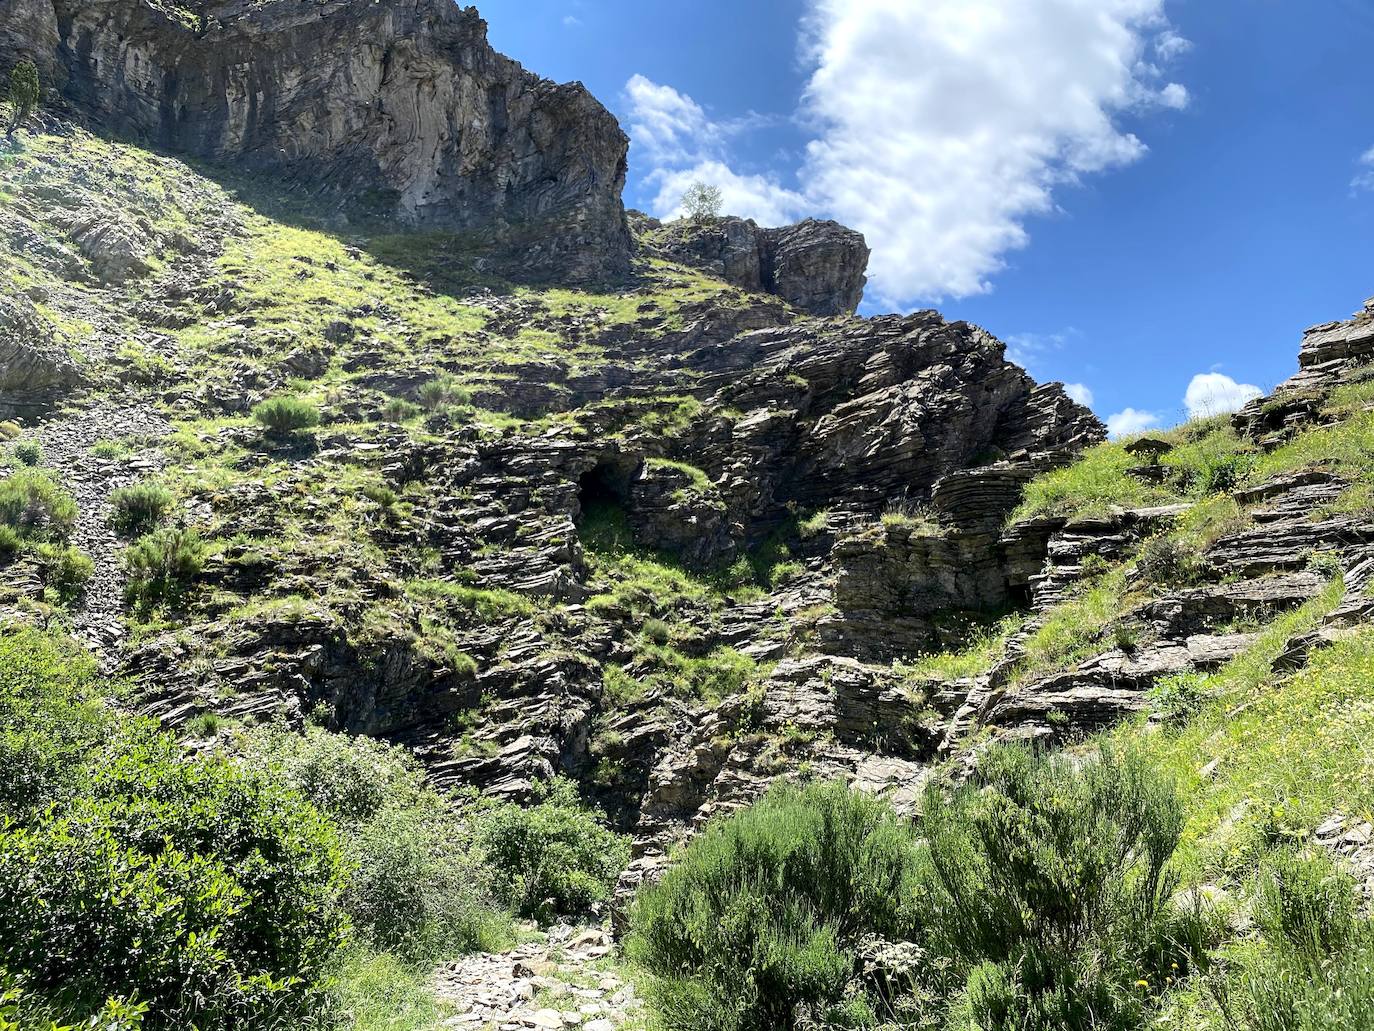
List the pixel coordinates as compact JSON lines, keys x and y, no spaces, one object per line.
{"x":1287,"y":753}
{"x":377,"y":992}
{"x":984,"y":647}
{"x":1207,"y":457}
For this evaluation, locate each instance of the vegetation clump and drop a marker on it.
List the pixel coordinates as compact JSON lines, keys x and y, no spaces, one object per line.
{"x":191,"y":885}
{"x":554,"y":858}
{"x":139,"y":508}
{"x":162,"y":563}
{"x":24,"y":94}
{"x":283,"y":416}
{"x":761,"y":915}
{"x":34,"y":507}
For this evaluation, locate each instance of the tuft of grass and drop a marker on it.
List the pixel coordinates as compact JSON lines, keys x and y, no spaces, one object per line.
{"x":281,"y":416}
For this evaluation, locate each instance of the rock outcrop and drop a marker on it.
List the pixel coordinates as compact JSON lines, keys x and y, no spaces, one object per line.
{"x":394,"y":109}
{"x":33,"y":364}
{"x":1331,"y":353}
{"x":817,"y":267}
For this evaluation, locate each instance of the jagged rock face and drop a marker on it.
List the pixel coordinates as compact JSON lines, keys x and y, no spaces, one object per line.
{"x":1329,"y":354}
{"x":28,"y":31}
{"x":33,"y":365}
{"x":818,"y":267}
{"x":401,"y":105}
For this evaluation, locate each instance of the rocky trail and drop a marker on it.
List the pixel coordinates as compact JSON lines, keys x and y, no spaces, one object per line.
{"x":91,"y":478}
{"x":566,"y":980}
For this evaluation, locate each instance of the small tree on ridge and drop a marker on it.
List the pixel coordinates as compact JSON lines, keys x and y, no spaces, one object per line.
{"x":24,"y":93}
{"x":702,"y":202}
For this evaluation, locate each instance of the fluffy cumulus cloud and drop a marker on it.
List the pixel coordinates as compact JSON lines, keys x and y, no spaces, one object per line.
{"x":1364,"y":179}
{"x":1130,"y":421}
{"x":682,"y":145}
{"x":938,"y":127}
{"x":1080,"y":393}
{"x":1211,"y":393}
{"x":946,"y":124}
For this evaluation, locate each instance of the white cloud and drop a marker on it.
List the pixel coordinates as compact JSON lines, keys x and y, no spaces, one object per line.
{"x":1080,"y":393}
{"x":1175,"y":96}
{"x":945,"y":124}
{"x":939,"y":127}
{"x":683,"y":145}
{"x":1211,"y":393}
{"x":1365,"y":179}
{"x":758,"y":197}
{"x":1125,"y":423}
{"x":669,"y":127}
{"x":1170,"y":46}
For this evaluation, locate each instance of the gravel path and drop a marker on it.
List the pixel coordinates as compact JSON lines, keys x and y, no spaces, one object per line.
{"x":564,"y":982}
{"x":67,"y":442}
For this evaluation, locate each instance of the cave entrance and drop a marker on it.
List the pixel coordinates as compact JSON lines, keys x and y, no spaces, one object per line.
{"x":603,"y":522}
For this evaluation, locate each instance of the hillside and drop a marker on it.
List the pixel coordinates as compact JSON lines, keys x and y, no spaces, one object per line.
{"x":385,"y":596}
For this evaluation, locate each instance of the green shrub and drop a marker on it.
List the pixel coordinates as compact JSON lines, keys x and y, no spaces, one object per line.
{"x":413,"y":886}
{"x":1049,"y":886}
{"x":66,"y":571}
{"x":400,"y":410}
{"x":10,"y":541}
{"x":443,"y":390}
{"x":281,"y":416}
{"x":1178,"y":698}
{"x":1314,"y":970}
{"x":139,"y":508}
{"x":28,"y":453}
{"x":1305,"y":905}
{"x":555,"y":858}
{"x":24,"y":93}
{"x":763,"y":912}
{"x":193,"y":885}
{"x":35,"y":507}
{"x":161,"y":563}
{"x":10,"y":430}
{"x":130,"y":869}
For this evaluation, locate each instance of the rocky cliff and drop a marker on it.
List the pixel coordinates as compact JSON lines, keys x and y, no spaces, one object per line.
{"x":399,"y":109}
{"x":815,"y":266}
{"x":538,"y":530}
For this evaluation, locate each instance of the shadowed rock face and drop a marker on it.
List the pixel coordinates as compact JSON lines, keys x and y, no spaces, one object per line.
{"x":402,"y":106}
{"x":33,"y":365}
{"x":816,"y":266}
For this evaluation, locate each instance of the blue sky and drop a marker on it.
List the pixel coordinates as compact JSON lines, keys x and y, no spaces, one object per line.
{"x":1140,"y":196}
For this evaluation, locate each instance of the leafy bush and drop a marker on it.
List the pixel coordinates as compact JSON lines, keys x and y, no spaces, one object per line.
{"x":400,"y":410}
{"x":1049,"y":886}
{"x":161,"y":563}
{"x":66,"y":571}
{"x":556,"y":858}
{"x":139,"y":508}
{"x":28,"y":453}
{"x":281,"y":416}
{"x":763,"y":912}
{"x":413,"y":886}
{"x":35,"y":507}
{"x":24,"y":93}
{"x":1178,"y":698}
{"x":1314,"y":970}
{"x":441,"y":391}
{"x":1166,"y":560}
{"x":130,"y":869}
